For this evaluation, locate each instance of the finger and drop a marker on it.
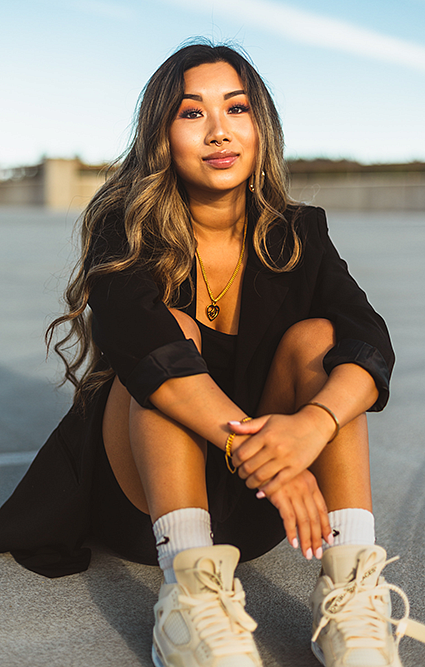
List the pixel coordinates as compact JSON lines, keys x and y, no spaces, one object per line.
{"x":259,"y":469}
{"x":262,"y":465}
{"x":283,"y":477}
{"x":315,"y":525}
{"x":320,"y":503}
{"x":247,"y":449}
{"x":324,"y":517}
{"x":286,"y":511}
{"x":303,"y":522}
{"x":248,"y":427}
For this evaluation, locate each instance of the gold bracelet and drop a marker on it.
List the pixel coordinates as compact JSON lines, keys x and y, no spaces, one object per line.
{"x":228,"y":448}
{"x":330,"y":413}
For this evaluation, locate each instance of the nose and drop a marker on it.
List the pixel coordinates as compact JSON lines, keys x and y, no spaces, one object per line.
{"x":217,"y":132}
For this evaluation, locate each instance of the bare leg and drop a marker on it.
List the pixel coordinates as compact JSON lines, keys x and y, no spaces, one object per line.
{"x":159,"y":464}
{"x":342,"y":469}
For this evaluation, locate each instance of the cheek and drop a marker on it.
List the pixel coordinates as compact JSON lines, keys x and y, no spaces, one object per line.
{"x":252,"y":142}
{"x":181,"y":148}
{"x":175,"y":148}
{"x":249,"y":136}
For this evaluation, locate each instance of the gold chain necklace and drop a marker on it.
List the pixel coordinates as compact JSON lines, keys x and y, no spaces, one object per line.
{"x":213,"y":310}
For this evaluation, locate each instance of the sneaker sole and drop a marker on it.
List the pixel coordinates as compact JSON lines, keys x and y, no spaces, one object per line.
{"x":155,"y":658}
{"x":317,"y":652}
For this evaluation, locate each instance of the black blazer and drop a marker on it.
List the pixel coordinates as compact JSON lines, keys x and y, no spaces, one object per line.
{"x":47,"y":518}
{"x":144,"y":344}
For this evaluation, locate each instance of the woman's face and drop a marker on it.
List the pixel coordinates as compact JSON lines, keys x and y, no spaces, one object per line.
{"x":213,"y":137}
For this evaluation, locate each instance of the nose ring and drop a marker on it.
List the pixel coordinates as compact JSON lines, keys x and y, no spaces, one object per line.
{"x":217,"y":143}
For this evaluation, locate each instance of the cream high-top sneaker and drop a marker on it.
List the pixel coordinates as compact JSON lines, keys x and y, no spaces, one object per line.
{"x":200,"y":621}
{"x":352,"y":611}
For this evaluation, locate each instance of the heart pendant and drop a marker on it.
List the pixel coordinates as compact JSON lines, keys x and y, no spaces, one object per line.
{"x":212,"y":311}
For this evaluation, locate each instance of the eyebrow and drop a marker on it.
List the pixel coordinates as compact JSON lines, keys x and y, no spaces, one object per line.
{"x":234,"y":93}
{"x":227,"y":96}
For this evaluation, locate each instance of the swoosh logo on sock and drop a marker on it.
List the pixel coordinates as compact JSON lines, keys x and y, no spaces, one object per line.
{"x":164,"y":541}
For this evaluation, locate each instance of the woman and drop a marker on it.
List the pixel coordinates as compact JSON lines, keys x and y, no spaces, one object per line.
{"x":225,"y":336}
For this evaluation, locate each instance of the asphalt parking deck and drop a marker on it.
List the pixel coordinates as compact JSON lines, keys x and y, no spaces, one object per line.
{"x":103,"y":617}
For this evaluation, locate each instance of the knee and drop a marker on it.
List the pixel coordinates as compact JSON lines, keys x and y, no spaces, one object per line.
{"x":316,"y":328}
{"x":188,"y":326}
{"x":316,"y":334}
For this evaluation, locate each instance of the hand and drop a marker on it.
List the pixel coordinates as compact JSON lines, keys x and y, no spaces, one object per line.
{"x":302,"y":506}
{"x":279,"y":449}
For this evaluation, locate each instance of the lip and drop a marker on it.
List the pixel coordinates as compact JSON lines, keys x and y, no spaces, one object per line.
{"x":221,"y":159}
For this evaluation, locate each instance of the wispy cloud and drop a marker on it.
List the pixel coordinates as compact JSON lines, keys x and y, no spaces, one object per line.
{"x":314,"y":29}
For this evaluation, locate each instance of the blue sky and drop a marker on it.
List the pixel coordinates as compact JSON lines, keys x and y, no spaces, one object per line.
{"x":348,"y":77}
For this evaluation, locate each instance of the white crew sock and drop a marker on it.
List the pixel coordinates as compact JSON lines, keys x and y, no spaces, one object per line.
{"x":352,"y":526}
{"x":179,"y":530}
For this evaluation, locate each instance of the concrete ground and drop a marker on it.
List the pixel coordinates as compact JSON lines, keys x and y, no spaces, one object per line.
{"x":103,"y":617}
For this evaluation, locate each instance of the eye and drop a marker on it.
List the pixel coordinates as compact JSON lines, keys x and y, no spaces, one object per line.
{"x":190,"y":113}
{"x":238,"y":109}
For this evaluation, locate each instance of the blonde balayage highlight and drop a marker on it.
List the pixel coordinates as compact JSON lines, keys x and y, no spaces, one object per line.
{"x":145,"y":188}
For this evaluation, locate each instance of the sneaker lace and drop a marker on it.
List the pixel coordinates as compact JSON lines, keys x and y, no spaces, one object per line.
{"x":219,"y":616}
{"x":356,"y":605}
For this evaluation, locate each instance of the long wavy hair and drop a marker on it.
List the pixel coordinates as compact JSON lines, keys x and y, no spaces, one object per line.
{"x":145,"y":187}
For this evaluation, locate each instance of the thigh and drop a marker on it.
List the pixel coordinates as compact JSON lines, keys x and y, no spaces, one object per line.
{"x":115,"y":521}
{"x":116,"y":439}
{"x":118,"y":516}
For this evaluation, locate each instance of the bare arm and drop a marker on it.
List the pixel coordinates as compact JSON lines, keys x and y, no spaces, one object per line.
{"x":283,"y":445}
{"x":199,"y":404}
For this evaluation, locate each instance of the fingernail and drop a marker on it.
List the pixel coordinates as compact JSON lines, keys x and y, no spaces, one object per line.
{"x":234,"y":423}
{"x":319,"y":553}
{"x":330,"y":539}
{"x":260,"y":494}
{"x":295,"y":543}
{"x":309,"y":554}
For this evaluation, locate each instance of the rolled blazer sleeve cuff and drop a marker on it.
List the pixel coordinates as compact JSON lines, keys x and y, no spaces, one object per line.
{"x":178,"y":359}
{"x":350,"y":351}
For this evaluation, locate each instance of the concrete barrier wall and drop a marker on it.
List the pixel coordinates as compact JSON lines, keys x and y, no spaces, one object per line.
{"x":362,"y":191}
{"x":23,"y":191}
{"x":57,"y":184}
{"x":70,"y":184}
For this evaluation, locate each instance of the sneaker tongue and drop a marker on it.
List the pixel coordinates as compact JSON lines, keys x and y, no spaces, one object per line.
{"x":218,"y":561}
{"x":341,"y":564}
